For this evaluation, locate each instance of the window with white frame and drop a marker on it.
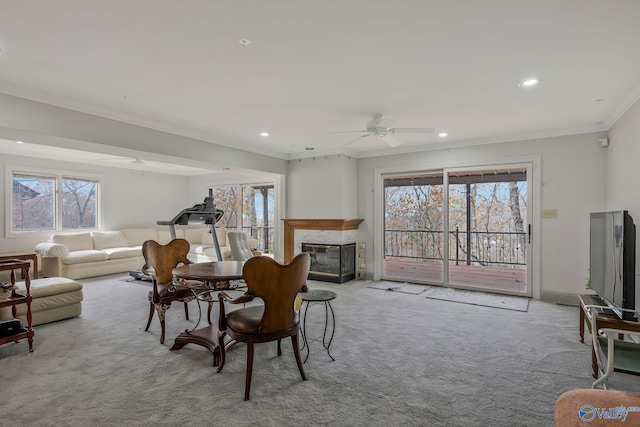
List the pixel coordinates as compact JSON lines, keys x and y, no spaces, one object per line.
{"x":53,"y":201}
{"x":248,"y":207}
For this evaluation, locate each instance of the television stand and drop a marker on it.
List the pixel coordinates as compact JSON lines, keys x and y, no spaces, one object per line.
{"x":606,"y":319}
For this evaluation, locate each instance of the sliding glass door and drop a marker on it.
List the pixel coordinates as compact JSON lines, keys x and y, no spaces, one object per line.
{"x":485,"y":213}
{"x":413,"y":227}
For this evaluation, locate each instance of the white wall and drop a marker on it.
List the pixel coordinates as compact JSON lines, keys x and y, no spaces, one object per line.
{"x":46,"y":124}
{"x":622,"y":173}
{"x":323,"y":187}
{"x":623,"y":164}
{"x":130,"y":198}
{"x":573,"y":171}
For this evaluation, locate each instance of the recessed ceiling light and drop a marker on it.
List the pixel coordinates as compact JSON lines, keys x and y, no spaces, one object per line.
{"x":265,"y":134}
{"x":244,"y":42}
{"x":19,"y":142}
{"x":309,"y":148}
{"x":443,"y":134}
{"x":530,"y":82}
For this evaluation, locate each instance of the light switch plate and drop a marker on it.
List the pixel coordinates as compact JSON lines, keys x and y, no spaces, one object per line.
{"x":549,"y":213}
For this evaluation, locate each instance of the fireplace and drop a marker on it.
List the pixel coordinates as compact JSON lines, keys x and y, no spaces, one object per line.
{"x":331,"y":262}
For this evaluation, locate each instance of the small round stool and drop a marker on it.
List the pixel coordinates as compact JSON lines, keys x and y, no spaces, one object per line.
{"x":318,"y":296}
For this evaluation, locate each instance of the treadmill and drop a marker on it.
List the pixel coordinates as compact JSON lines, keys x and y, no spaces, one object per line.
{"x":201,"y":213}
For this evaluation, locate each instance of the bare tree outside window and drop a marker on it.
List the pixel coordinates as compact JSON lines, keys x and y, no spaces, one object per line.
{"x":78,"y":203}
{"x":33,"y":203}
{"x":227,"y":199}
{"x":257,"y":202}
{"x":37,"y":200}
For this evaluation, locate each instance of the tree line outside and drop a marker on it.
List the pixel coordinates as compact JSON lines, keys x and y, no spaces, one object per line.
{"x":35,"y":201}
{"x":486,"y":222}
{"x":257,"y":203}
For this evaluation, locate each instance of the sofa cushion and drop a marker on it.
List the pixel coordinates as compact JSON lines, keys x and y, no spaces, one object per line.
{"x":137,"y":236}
{"x":199,"y":249}
{"x":221,"y":233}
{"x":210,"y":252}
{"x":193,"y":235}
{"x":108,"y":239}
{"x":164,"y":236}
{"x":74,"y":241}
{"x":50,"y":286}
{"x":120,"y":253}
{"x":79,"y":257}
{"x":207,"y":237}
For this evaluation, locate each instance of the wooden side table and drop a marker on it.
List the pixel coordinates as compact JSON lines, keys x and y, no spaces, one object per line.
{"x":16,"y":299}
{"x":602,"y":321}
{"x":32,"y":256}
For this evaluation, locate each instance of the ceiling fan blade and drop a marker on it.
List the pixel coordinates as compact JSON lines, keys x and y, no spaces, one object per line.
{"x":348,"y":131}
{"x":358,"y":138}
{"x":390,"y":140}
{"x":412,"y":130}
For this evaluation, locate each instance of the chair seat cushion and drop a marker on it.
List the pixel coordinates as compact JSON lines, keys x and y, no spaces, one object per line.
{"x":164,"y":292}
{"x":245,"y":320}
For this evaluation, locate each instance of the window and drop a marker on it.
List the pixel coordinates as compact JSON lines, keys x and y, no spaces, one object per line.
{"x":49,"y":201}
{"x":228,"y":199}
{"x":249,"y":207}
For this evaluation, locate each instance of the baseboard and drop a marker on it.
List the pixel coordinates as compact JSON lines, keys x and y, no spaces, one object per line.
{"x":560,"y":298}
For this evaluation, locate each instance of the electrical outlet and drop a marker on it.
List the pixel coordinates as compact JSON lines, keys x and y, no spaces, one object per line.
{"x":549,"y":213}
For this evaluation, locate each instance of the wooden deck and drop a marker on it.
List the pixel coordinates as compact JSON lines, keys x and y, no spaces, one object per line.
{"x":496,"y":278}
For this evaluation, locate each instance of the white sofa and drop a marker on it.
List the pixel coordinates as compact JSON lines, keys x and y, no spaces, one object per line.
{"x":80,"y":255}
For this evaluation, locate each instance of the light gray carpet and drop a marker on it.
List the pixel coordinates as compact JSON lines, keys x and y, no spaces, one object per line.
{"x":401,"y":360}
{"x":485,"y":299}
{"x":407,"y":288}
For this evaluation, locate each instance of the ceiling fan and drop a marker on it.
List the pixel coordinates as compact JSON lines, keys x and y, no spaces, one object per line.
{"x":136,"y":161}
{"x":384,"y":130}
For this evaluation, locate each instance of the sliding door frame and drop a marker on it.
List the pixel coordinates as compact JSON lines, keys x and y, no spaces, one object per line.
{"x":533,"y":212}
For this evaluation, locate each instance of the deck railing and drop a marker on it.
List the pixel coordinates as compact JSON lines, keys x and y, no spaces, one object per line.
{"x":263,"y":234}
{"x":505,"y":249}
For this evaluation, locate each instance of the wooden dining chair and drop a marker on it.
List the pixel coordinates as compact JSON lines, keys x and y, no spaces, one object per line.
{"x":277,"y":285}
{"x":160,"y":260}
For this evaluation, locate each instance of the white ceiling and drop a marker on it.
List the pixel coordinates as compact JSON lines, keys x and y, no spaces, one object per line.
{"x":137,"y":162}
{"x":318,"y":67}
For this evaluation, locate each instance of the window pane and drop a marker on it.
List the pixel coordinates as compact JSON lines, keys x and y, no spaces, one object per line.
{"x":33,"y":203}
{"x":258,"y":216}
{"x":227,"y":199}
{"x":79,"y":203}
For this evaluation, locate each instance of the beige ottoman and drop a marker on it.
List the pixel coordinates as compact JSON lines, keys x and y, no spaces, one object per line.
{"x":54,"y":298}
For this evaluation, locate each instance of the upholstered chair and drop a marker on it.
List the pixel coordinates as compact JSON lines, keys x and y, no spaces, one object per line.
{"x":239,"y":244}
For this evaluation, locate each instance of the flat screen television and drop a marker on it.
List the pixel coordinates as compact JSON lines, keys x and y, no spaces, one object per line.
{"x":612,"y":260}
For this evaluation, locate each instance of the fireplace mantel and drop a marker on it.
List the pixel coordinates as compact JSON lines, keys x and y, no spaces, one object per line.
{"x":290,"y":225}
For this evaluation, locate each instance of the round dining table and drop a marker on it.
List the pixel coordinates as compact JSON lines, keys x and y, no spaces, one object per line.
{"x":210,"y":277}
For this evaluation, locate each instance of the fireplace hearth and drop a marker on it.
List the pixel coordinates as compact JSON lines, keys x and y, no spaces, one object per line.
{"x":331,"y":262}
